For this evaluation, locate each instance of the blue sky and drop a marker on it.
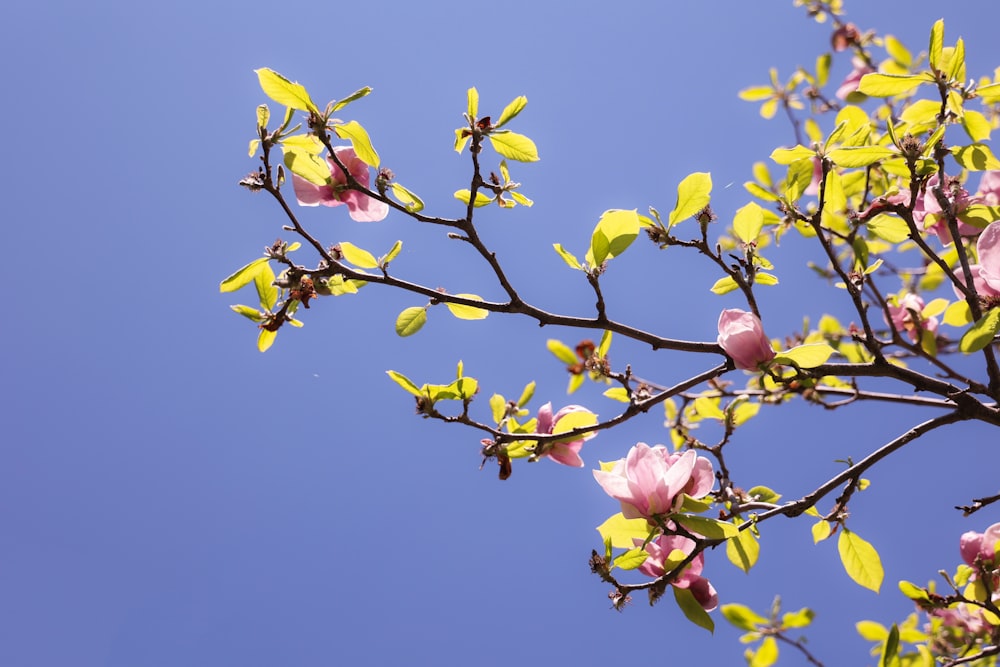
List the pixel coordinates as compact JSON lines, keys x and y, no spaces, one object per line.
{"x":171,"y":496}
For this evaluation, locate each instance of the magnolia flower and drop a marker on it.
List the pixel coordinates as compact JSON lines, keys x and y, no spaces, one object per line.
{"x":652,"y":481}
{"x":974,"y":545}
{"x":958,"y":198}
{"x":741,"y":336}
{"x":906,"y":317}
{"x":566,"y":453}
{"x":659,"y":551}
{"x":989,"y":188}
{"x":360,"y":206}
{"x":988,"y":249}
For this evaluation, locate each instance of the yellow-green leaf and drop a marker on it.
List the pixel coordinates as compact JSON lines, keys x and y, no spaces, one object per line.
{"x":481,"y":199}
{"x":404,"y":382}
{"x":243,"y":275}
{"x":568,"y":257}
{"x":263,"y":115}
{"x":248,"y":312}
{"x":981,"y":333}
{"x":618,"y":394}
{"x":710,"y":528}
{"x":410,"y":201}
{"x":936,"y":45}
{"x":265,"y":339}
{"x":266,"y":291}
{"x":958,"y":314}
{"x":820,"y":531}
{"x":692,"y":609}
{"x":790,"y":155}
{"x":621,"y":531}
{"x":514,"y":146}
{"x":254,"y":145}
{"x":693,"y":194}
{"x":743,"y":550}
{"x":748,"y":222}
{"x":976,"y":126}
{"x":511,"y":110}
{"x":302,"y":162}
{"x":573,"y":421}
{"x":391,"y":255}
{"x":283,"y":91}
{"x":464,"y":312}
{"x":724,"y":285}
{"x":357,"y":256}
{"x":860,"y":156}
{"x":805,"y":356}
{"x":861,"y":560}
{"x":889,"y":228}
{"x":975,"y":157}
{"x":472,"y":107}
{"x":631,"y":559}
{"x":888,"y":85}
{"x":766,"y":654}
{"x":359,"y":140}
{"x":411,"y":320}
{"x":356,"y":95}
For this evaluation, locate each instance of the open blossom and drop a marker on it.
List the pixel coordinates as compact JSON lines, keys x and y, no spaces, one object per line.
{"x":566,"y":453}
{"x":659,"y":551}
{"x":360,"y":206}
{"x":988,"y":249}
{"x":989,"y":189}
{"x":741,"y":336}
{"x":958,"y":198}
{"x":651,"y":481}
{"x":974,"y":545}
{"x":906,"y":317}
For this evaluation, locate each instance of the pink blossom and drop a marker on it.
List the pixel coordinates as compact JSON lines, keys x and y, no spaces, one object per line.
{"x":360,"y":206}
{"x":989,"y":188}
{"x":988,"y":249}
{"x":741,"y":336}
{"x":659,"y":551}
{"x":850,"y":84}
{"x":652,"y":481}
{"x":959,"y":199}
{"x":974,"y":545}
{"x":905,"y":317}
{"x":566,"y":453}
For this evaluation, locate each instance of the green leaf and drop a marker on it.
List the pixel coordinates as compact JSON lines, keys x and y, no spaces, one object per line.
{"x":359,"y":139}
{"x":748,"y":222}
{"x":742,"y":617}
{"x":913,"y":591}
{"x":976,"y":126}
{"x":265,"y":339}
{"x":860,"y":156}
{"x":614,"y":233}
{"x":763,"y":494}
{"x":472,"y":108}
{"x":353,"y":97}
{"x":821,"y":530}
{"x":708,"y":408}
{"x":897,"y":51}
{"x":391,"y":255}
{"x":410,"y":201}
{"x":567,"y":256}
{"x":404,"y":382}
{"x":462,"y":137}
{"x":562,"y":351}
{"x":693,"y":194}
{"x":481,"y":199}
{"x":761,"y":278}
{"x":604,"y":345}
{"x":498,"y":407}
{"x":766,"y":654}
{"x":631,"y":559}
{"x":861,"y":560}
{"x":464,"y":312}
{"x":743,"y":550}
{"x":529,"y":391}
{"x":975,"y":157}
{"x":871,"y":631}
{"x":805,"y":356}
{"x":798,"y":619}
{"x":514,"y":146}
{"x":936,"y":45}
{"x":891,"y":648}
{"x":621,"y":531}
{"x":263,"y":115}
{"x":283,"y":91}
{"x":790,"y":155}
{"x":979,"y":215}
{"x":692,"y":609}
{"x":411,"y":320}
{"x":303,"y":163}
{"x":710,"y":528}
{"x":357,"y":256}
{"x":889,"y":85}
{"x":958,"y":314}
{"x":254,"y":145}
{"x":573,"y":421}
{"x":521,"y":199}
{"x":266,"y":291}
{"x":724,"y":285}
{"x":248,"y":312}
{"x":511,"y":110}
{"x":243,"y":275}
{"x":889,"y":228}
{"x":981,"y":333}
{"x":303,"y":142}
{"x":618,"y":394}
{"x":756,"y":93}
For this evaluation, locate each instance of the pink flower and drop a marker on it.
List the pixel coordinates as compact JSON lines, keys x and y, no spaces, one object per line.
{"x":850,"y":85}
{"x":566,"y":453}
{"x":981,"y":545}
{"x":659,"y":551}
{"x":906,"y":317}
{"x":652,"y":481}
{"x":360,"y":206}
{"x":741,"y":336}
{"x":958,"y":198}
{"x":989,"y":188}
{"x":988,"y":249}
